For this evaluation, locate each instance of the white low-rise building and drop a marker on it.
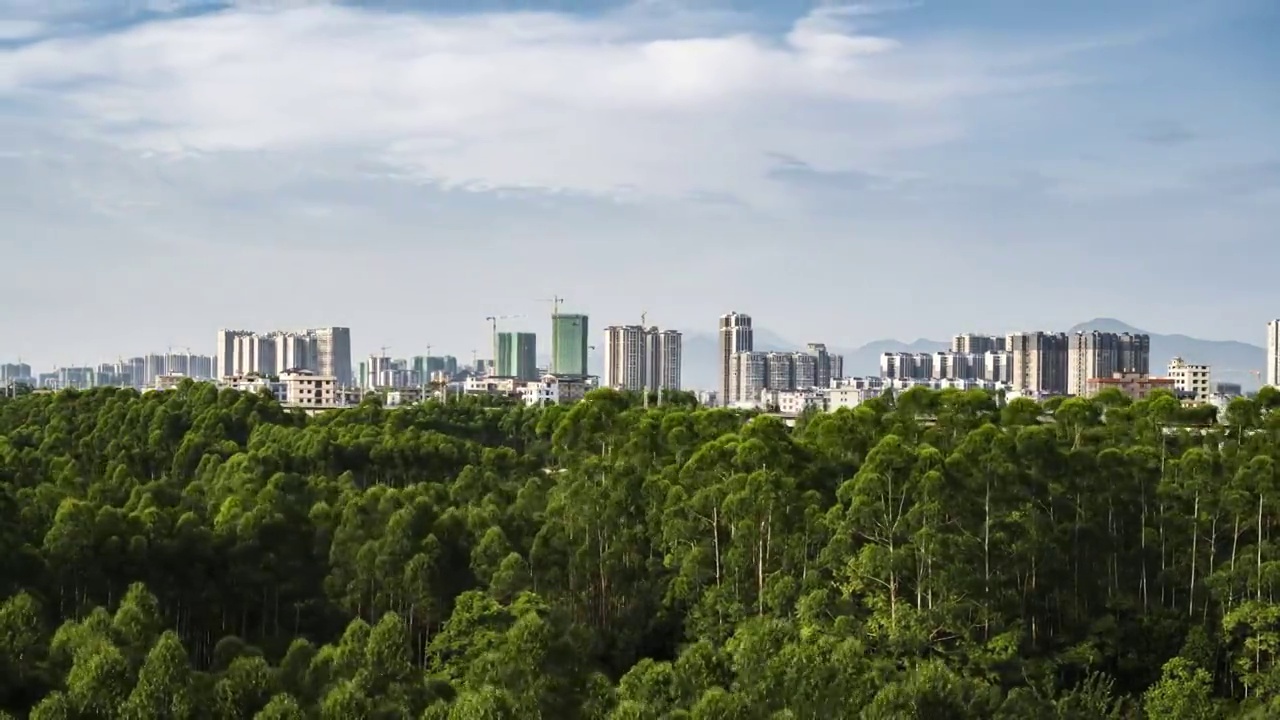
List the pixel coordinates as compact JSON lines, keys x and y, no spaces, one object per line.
{"x":1191,"y":380}
{"x":492,"y":386}
{"x":253,"y":383}
{"x":168,"y":382}
{"x":552,"y":389}
{"x":795,"y":402}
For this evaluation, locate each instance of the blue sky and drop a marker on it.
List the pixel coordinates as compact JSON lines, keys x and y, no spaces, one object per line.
{"x":843,"y":172}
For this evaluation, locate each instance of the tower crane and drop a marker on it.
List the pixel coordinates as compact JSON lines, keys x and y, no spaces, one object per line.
{"x":556,"y":301}
{"x":1257,"y":374}
{"x":493,"y":323}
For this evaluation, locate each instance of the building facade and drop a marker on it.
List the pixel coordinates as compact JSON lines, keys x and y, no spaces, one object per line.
{"x":323,"y":351}
{"x":735,"y":336}
{"x":1038,"y":362}
{"x":1272,"y":374}
{"x":626,"y":357}
{"x":569,"y":333}
{"x":1102,"y":355}
{"x":309,"y":391}
{"x":1190,"y":380}
{"x":518,"y":355}
{"x":976,"y":344}
{"x":670,"y":359}
{"x":1131,"y":384}
{"x":748,"y":376}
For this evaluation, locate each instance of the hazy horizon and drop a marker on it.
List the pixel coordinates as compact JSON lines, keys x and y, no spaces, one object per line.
{"x":843,"y":172}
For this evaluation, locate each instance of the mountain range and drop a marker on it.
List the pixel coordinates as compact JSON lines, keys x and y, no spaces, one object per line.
{"x":1229,"y":360}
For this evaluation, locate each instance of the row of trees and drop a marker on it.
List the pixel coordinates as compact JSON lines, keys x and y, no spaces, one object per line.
{"x":197,"y":553}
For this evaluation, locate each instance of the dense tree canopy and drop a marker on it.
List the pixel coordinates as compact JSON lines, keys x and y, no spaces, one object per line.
{"x":199,"y":553}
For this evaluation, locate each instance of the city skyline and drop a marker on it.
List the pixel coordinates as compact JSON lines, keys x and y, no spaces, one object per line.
{"x":990,"y":150}
{"x":775,"y":342}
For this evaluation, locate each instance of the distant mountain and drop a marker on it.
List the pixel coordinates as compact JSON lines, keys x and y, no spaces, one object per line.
{"x":1229,"y":360}
{"x":865,"y":360}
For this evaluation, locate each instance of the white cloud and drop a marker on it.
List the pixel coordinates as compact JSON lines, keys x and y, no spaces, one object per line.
{"x":19,"y":29}
{"x":519,"y":100}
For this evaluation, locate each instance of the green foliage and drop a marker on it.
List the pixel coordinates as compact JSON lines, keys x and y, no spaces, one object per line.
{"x":205,"y":554}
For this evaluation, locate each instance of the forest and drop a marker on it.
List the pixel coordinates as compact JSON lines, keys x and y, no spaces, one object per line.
{"x":198,"y":553}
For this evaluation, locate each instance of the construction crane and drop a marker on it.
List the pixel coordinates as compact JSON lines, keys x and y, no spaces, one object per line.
{"x":493,"y":322}
{"x":644,"y":316}
{"x":1257,"y":374}
{"x":556,"y":301}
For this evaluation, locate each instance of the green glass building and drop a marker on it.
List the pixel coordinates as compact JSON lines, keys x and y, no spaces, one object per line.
{"x":517,"y":355}
{"x":569,"y":335}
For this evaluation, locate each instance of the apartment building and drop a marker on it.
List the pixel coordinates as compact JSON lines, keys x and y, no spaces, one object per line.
{"x":1102,"y":355}
{"x":748,"y":376}
{"x":323,"y":351}
{"x":517,"y":355}
{"x":14,"y":373}
{"x":1131,"y":384}
{"x":1272,"y":374}
{"x":625,"y":357}
{"x":639,"y":358}
{"x":670,"y":356}
{"x":1190,"y":380}
{"x":735,"y":336}
{"x":1038,"y":362}
{"x":907,"y":365}
{"x":976,"y":344}
{"x":780,"y":371}
{"x":309,"y":391}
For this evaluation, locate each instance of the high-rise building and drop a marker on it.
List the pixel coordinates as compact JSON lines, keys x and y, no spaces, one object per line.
{"x":233,"y":355}
{"x":735,"y":337}
{"x":1133,"y":353}
{"x":1102,"y":354}
{"x":15,"y":372}
{"x":748,"y":375}
{"x":625,"y":357}
{"x":975,"y":344}
{"x":569,"y":344}
{"x":639,"y":358}
{"x":295,"y":351}
{"x":323,"y":351}
{"x":517,"y":355}
{"x":670,"y":357}
{"x":1039,"y":362}
{"x":333,"y":353}
{"x":1272,"y":375}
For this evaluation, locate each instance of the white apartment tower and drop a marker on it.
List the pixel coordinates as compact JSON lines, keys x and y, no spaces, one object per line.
{"x":670,"y":357}
{"x":323,"y":351}
{"x":638,"y":358}
{"x":735,"y":337}
{"x":748,"y":376}
{"x":624,"y":357}
{"x":1272,"y":376}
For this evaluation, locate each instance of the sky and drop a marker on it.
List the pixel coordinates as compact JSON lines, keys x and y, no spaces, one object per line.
{"x":842,"y":172}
